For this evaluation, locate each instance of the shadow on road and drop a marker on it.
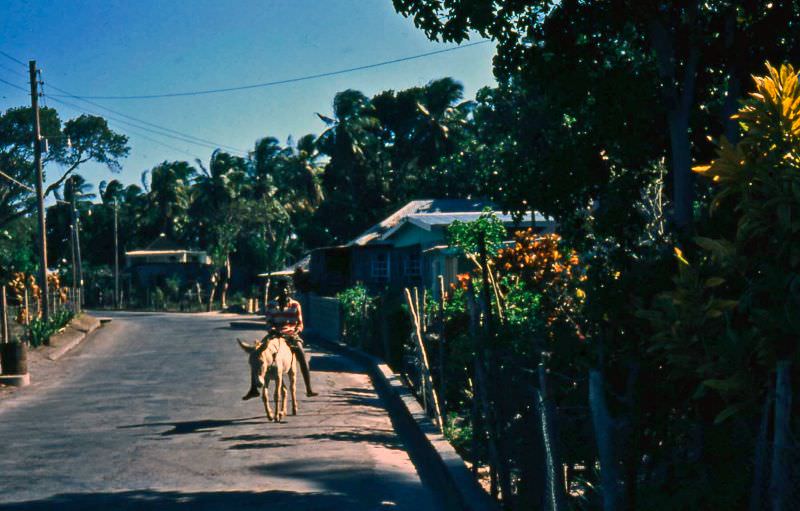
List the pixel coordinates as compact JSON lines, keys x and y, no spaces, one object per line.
{"x":198,"y":426}
{"x":178,"y":501}
{"x":343,"y":479}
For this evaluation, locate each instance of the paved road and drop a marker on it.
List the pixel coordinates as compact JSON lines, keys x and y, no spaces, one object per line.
{"x":147,"y":414}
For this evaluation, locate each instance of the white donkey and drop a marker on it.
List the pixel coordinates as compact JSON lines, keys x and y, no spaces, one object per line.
{"x":270,"y":359}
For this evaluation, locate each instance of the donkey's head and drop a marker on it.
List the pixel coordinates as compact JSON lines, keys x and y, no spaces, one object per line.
{"x":258,"y":365}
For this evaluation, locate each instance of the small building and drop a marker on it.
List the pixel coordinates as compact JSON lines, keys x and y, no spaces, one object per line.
{"x":409,"y":248}
{"x":164,"y":258}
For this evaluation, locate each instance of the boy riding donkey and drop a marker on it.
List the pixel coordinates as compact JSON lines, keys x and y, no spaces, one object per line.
{"x":285,"y":315}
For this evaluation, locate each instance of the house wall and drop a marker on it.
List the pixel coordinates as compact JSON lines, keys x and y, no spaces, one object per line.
{"x":410,"y":234}
{"x":399,"y":264}
{"x":322,"y":316}
{"x":329,"y":270}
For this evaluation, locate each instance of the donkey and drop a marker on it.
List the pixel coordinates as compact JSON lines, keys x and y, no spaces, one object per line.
{"x":270,"y":359}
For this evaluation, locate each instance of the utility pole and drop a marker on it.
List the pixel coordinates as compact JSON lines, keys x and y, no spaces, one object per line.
{"x":77,"y":279}
{"x":116,"y":256}
{"x":37,"y":160}
{"x":72,"y":260}
{"x":77,"y":223}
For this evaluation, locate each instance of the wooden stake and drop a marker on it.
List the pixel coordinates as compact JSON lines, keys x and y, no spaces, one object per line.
{"x":4,"y":315}
{"x":426,"y":369}
{"x":27,"y":318}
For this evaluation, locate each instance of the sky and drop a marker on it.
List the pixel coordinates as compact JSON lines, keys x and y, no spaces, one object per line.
{"x":112,"y":47}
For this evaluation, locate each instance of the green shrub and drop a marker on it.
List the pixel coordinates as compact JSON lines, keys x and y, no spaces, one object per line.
{"x":39,"y":331}
{"x":357,"y":306}
{"x":159,"y":299}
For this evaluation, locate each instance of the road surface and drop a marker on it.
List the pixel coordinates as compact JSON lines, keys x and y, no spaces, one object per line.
{"x":147,"y":414}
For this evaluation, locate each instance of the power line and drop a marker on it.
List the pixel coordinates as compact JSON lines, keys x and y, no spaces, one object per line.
{"x":11,"y":70}
{"x":288,"y":80}
{"x":12,"y":58}
{"x":186,"y":135}
{"x":13,"y":85}
{"x":83,"y":110}
{"x":183,"y":137}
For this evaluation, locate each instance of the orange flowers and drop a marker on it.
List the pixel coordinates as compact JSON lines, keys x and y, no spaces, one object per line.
{"x":537,"y":257}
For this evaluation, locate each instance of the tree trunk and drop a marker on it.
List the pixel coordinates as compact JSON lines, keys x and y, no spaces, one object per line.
{"x":781,"y":449}
{"x":734,"y":89}
{"x":211,"y":297}
{"x":678,"y":96}
{"x":682,"y":194}
{"x":604,"y":437}
{"x":761,"y":457}
{"x":224,"y":294}
{"x":554,"y":475}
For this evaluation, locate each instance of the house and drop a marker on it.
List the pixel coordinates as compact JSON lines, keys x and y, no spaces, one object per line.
{"x":409,"y":248}
{"x":163,"y":259}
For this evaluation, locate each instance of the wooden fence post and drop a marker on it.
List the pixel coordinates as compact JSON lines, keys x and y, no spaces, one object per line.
{"x":27,"y":317}
{"x":442,"y":380}
{"x":426,"y":374}
{"x":4,"y":315}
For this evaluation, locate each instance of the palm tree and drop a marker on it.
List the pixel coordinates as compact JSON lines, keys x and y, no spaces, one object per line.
{"x":170,"y":197}
{"x":111,"y":191}
{"x":355,"y":179}
{"x":219,"y":206}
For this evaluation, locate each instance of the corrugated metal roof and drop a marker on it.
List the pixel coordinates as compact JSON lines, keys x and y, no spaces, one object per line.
{"x":303,"y":264}
{"x":420,"y":207}
{"x":428,"y":220}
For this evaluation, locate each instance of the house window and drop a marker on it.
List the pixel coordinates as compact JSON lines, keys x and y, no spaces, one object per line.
{"x":411,"y":265}
{"x":380,"y":267}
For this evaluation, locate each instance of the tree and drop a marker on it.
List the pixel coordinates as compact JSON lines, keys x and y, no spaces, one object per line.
{"x":667,"y":40}
{"x":169,"y":194}
{"x":220,"y":200}
{"x":355,"y":177}
{"x":757,"y":181}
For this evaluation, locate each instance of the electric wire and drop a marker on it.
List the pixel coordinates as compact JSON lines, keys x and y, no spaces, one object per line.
{"x":176,"y":132}
{"x":129,"y":129}
{"x":138,"y":134}
{"x":288,"y":80}
{"x":12,"y":58}
{"x":171,"y":133}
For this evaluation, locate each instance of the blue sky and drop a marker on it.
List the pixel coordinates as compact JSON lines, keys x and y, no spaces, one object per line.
{"x":115,"y":47}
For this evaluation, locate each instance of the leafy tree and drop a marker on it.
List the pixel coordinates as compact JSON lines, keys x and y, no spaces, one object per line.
{"x":169,"y":194}
{"x":77,"y":141}
{"x":661,"y":44}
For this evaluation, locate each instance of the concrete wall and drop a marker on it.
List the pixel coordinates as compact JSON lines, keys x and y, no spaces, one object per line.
{"x":322,"y":316}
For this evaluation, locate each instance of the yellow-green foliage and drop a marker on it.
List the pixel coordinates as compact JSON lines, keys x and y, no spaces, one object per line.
{"x":760,"y":173}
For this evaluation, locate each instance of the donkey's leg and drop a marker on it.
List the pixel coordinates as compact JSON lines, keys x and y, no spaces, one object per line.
{"x":284,"y":399}
{"x":293,"y":386}
{"x":264,"y":397}
{"x":278,"y":388}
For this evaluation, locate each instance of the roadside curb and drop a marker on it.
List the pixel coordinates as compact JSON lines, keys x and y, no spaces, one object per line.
{"x":75,"y":333}
{"x":428,"y":445}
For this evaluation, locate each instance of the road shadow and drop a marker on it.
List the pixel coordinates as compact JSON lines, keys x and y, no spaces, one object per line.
{"x":364,"y":398}
{"x":196,"y":426}
{"x":325,"y":362}
{"x":244,"y":325}
{"x":370,"y":485}
{"x":275,"y":500}
{"x":386,"y":439}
